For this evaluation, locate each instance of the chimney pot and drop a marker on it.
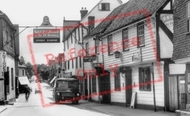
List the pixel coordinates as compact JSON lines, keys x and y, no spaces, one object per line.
{"x":83,"y":12}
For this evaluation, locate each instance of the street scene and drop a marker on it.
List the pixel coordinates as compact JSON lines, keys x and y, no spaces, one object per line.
{"x":100,"y":57}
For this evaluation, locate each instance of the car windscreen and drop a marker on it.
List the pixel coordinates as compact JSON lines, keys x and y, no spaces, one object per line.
{"x":67,"y":84}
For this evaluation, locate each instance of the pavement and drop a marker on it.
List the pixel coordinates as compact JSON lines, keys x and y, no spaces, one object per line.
{"x":115,"y":110}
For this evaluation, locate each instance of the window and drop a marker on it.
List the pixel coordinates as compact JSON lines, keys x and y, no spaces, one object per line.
{"x":96,"y":46}
{"x":93,"y":84}
{"x":144,"y":79}
{"x":140,"y":34}
{"x":110,"y":45}
{"x":91,"y":23}
{"x":68,"y":64}
{"x":64,"y":46}
{"x":87,"y":49}
{"x":104,"y":6}
{"x":65,"y":65}
{"x":22,"y":72}
{"x":7,"y":79}
{"x":12,"y":41}
{"x":67,"y":44}
{"x":72,"y":63}
{"x":125,"y":39}
{"x":188,"y":16}
{"x":76,"y":62}
{"x":72,"y":37}
{"x":80,"y":60}
{"x":12,"y":79}
{"x":117,"y":80}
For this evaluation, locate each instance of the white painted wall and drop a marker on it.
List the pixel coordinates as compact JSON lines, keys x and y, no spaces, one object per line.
{"x":11,"y":64}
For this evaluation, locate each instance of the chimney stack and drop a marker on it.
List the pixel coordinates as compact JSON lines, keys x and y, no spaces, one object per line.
{"x":83,"y":12}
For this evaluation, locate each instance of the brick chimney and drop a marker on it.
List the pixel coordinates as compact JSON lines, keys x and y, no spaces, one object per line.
{"x":83,"y":12}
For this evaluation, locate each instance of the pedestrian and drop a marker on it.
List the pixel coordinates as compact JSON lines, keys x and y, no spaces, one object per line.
{"x":27,"y":92}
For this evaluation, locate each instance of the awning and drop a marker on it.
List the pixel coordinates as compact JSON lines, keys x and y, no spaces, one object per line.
{"x":23,"y":80}
{"x":53,"y":79}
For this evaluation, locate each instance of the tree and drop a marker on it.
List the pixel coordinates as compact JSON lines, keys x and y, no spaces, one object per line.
{"x":29,"y":69}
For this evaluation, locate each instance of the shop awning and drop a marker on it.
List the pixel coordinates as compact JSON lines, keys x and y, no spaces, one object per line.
{"x":53,"y":79}
{"x":23,"y":80}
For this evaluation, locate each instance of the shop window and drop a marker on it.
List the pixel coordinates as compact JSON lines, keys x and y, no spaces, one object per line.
{"x":104,"y":6}
{"x":117,"y":81}
{"x":93,"y":84}
{"x":144,"y":79}
{"x":188,"y":16}
{"x":140,"y":34}
{"x":125,"y":39}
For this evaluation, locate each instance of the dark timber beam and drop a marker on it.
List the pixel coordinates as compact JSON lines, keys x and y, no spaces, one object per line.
{"x":166,"y":11}
{"x":166,"y":30}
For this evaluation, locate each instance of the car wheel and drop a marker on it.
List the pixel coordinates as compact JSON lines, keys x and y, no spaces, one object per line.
{"x":56,"y":99}
{"x":75,"y":102}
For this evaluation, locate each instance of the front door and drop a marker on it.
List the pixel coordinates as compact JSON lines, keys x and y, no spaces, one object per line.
{"x":105,"y":87}
{"x":128,"y":86}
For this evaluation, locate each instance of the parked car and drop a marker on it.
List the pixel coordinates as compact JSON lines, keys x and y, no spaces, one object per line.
{"x":66,"y":89}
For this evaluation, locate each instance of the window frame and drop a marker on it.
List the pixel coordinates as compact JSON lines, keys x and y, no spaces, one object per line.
{"x":117,"y":83}
{"x":87,"y":49}
{"x":97,"y":44}
{"x":110,"y":45}
{"x":144,"y":85}
{"x":140,"y":42}
{"x":93,"y":83}
{"x":103,"y":7}
{"x":125,"y":39}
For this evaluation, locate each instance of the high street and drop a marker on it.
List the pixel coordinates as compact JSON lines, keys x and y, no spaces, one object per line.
{"x":34,"y":107}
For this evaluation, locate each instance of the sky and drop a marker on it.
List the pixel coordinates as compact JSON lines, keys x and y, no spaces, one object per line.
{"x":31,"y":13}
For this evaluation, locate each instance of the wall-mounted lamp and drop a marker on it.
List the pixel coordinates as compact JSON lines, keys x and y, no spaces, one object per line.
{"x":117,"y":54}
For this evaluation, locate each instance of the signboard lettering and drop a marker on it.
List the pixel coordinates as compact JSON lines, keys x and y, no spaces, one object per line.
{"x":46,"y":35}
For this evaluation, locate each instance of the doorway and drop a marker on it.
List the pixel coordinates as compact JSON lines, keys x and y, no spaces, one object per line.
{"x":128,"y":86}
{"x":177,"y":94}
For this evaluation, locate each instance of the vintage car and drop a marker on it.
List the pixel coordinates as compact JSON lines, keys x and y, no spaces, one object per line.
{"x":66,"y":89}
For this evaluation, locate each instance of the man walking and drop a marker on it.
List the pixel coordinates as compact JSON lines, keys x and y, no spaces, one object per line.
{"x":27,"y":92}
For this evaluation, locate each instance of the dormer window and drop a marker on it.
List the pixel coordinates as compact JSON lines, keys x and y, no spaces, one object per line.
{"x":104,"y":6}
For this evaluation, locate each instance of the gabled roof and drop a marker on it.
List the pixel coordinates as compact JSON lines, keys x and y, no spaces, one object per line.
{"x":122,"y":15}
{"x":68,"y":26}
{"x":6,"y":18}
{"x":95,"y":7}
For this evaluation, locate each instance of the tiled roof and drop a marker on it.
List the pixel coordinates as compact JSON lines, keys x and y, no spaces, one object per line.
{"x":106,"y":22}
{"x":126,"y":14}
{"x":68,"y":26}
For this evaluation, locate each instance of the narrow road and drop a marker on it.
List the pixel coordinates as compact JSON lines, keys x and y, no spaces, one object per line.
{"x":43,"y":105}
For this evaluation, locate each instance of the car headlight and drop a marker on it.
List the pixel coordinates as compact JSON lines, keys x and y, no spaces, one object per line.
{"x":78,"y":94}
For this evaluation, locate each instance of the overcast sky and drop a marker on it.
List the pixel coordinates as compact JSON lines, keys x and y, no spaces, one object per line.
{"x":31,"y":12}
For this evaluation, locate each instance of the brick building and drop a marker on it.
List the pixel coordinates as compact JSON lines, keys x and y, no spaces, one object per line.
{"x":181,"y":53}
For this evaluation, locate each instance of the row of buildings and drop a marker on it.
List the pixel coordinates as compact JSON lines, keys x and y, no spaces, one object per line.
{"x":133,"y":53}
{"x":9,"y":58}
